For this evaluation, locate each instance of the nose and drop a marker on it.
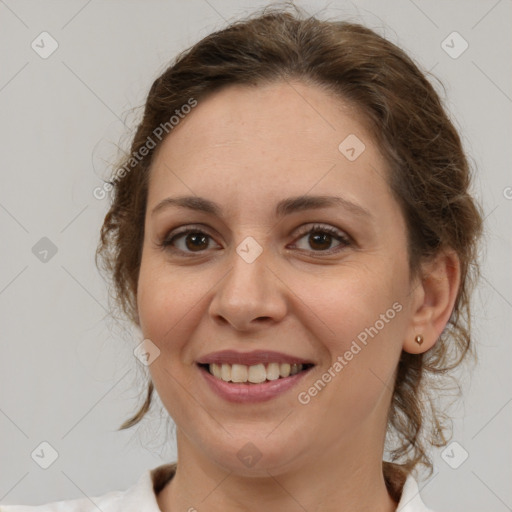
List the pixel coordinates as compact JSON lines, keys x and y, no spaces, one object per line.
{"x":250,"y":295}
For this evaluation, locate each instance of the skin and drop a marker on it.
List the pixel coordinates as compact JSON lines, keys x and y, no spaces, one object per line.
{"x":246,"y":149}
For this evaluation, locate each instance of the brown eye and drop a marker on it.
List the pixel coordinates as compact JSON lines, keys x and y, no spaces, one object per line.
{"x":320,"y":241}
{"x":196,"y":241}
{"x":188,"y":241}
{"x":320,"y":238}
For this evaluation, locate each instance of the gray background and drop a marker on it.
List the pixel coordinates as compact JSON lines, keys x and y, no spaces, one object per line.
{"x":68,"y":374}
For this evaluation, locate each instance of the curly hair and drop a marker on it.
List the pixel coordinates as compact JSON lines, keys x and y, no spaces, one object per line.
{"x":429,"y":177}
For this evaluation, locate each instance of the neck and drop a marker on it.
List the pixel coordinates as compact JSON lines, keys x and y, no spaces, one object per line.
{"x":330,"y":484}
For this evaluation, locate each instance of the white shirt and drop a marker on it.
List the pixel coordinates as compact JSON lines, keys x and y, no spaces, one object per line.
{"x":142,"y":497}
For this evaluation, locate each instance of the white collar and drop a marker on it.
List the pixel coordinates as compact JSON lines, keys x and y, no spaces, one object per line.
{"x":410,"y":500}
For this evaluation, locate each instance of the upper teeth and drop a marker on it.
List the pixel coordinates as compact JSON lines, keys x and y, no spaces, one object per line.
{"x":255,"y":374}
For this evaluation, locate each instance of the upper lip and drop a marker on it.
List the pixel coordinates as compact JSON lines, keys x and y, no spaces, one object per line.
{"x":250,"y":358}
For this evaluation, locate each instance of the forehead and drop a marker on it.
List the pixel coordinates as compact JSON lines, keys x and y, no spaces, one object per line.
{"x":279,"y":139}
{"x":291,"y":112}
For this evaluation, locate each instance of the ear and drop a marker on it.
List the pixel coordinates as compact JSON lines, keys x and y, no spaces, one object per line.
{"x":434,"y":295}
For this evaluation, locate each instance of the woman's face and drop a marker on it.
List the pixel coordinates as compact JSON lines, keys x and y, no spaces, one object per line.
{"x":326,"y":284}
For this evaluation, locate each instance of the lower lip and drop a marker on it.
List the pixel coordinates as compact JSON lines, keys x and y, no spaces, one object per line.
{"x":251,"y":393}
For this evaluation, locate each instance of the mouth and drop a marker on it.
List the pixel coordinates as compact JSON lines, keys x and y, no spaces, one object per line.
{"x":254,"y":374}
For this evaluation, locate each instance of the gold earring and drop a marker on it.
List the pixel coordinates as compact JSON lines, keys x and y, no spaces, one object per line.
{"x":419,"y":339}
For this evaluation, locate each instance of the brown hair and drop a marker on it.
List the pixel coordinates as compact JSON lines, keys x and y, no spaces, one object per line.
{"x":429,"y":175}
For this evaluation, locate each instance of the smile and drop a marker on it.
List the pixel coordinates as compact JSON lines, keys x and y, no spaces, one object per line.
{"x":254,"y":374}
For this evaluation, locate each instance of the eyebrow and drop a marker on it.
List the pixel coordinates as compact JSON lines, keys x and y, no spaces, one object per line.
{"x":283,"y":207}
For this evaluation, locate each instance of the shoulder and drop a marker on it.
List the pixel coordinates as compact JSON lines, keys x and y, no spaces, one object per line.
{"x":142,"y":495}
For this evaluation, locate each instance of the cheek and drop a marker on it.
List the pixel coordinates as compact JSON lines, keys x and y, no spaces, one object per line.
{"x":172,"y":304}
{"x":352,"y":301}
{"x":360,"y":320}
{"x":164,"y":300}
{"x":169,"y":310}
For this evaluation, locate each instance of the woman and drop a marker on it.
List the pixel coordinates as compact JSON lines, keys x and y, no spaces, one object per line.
{"x":293,"y":234}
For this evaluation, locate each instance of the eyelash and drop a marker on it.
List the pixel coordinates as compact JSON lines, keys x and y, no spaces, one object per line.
{"x":167,"y":243}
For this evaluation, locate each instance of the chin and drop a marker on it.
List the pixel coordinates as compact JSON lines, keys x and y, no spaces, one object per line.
{"x":255,"y":458}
